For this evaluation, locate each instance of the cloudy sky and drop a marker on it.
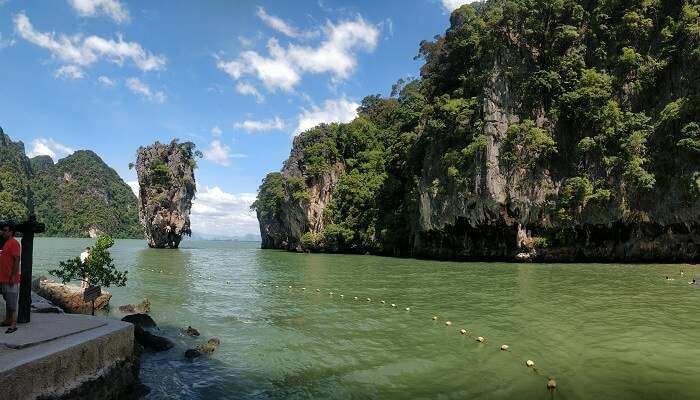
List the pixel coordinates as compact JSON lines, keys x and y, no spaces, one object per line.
{"x":238,"y":78}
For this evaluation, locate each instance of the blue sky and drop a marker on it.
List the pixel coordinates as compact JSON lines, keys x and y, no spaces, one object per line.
{"x":238,"y":78}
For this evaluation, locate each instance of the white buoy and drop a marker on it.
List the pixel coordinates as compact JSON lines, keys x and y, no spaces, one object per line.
{"x":551,"y":383}
{"x":408,"y":308}
{"x":504,"y":347}
{"x":341,"y":296}
{"x":448,"y":323}
{"x":434,"y":318}
{"x":463,"y":331}
{"x":355,"y":297}
{"x":530,"y":363}
{"x":277,"y":286}
{"x":318,"y":290}
{"x":290,"y":286}
{"x":383,"y":302}
{"x":331,"y":293}
{"x":368,"y":299}
{"x":303,"y":288}
{"x":228,"y":282}
{"x":393,"y":305}
{"x":480,"y":339}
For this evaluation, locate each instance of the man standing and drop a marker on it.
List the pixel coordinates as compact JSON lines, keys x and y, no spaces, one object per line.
{"x":84,"y":284}
{"x":10,"y":276}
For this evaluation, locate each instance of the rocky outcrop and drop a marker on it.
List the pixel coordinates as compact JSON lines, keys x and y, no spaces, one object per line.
{"x":69,"y":297}
{"x":166,"y":190}
{"x":295,"y":217}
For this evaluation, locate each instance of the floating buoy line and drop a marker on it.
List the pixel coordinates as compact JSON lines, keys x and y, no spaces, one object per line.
{"x":505,"y":348}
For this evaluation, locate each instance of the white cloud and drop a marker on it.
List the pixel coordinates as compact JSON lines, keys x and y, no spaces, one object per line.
{"x":281,"y":26}
{"x":84,"y":51}
{"x":69,"y":72}
{"x":283,"y":68}
{"x":49,"y":147}
{"x":216,"y":131}
{"x":142,"y":89}
{"x":106,"y":81}
{"x":111,"y":8}
{"x":216,"y":213}
{"x":218,"y":153}
{"x":339,"y":110}
{"x":247,"y":89}
{"x":260,"y":126}
{"x":134,"y":185}
{"x":6,"y":42}
{"x":451,"y":5}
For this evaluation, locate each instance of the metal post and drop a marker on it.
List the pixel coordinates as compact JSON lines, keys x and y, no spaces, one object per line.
{"x":28,"y":230}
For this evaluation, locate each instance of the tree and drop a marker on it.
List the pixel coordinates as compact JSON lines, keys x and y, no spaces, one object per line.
{"x":98,"y":268}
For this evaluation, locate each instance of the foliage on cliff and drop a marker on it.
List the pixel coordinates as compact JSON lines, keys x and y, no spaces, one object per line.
{"x":73,"y":197}
{"x":603,"y":101}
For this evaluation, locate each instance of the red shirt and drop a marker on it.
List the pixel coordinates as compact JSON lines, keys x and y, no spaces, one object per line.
{"x":10,"y":250}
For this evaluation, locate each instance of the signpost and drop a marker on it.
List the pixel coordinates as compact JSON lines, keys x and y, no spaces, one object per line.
{"x":92,"y":293}
{"x":28,"y":229}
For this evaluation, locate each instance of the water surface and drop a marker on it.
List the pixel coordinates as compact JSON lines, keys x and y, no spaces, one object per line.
{"x":603,"y":331}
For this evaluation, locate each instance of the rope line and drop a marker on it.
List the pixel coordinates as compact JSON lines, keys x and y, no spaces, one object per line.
{"x":503,"y":348}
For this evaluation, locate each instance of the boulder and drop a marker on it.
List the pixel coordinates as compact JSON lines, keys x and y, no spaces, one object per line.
{"x":190,"y":331}
{"x":151,"y":341}
{"x":140,"y":320}
{"x":143,"y":308}
{"x":210,"y":346}
{"x":191,"y":354}
{"x":68,"y":297}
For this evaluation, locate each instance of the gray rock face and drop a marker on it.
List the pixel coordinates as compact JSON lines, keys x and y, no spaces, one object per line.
{"x":285,"y":229}
{"x":167,"y":188}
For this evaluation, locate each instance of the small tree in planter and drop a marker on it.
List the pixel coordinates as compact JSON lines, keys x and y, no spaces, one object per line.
{"x":98,"y":269}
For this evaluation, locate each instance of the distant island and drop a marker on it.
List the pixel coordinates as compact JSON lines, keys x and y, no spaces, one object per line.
{"x":79,"y":196}
{"x":559,"y":134}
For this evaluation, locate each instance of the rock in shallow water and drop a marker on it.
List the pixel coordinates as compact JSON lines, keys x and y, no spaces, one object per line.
{"x":140,"y":320}
{"x":68,"y":297}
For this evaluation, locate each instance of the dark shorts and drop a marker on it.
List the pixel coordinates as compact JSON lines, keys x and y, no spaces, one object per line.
{"x":10,"y":293}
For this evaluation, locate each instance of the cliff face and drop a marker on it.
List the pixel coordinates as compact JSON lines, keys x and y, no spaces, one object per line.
{"x":537,"y":131}
{"x":167,"y":187}
{"x":79,"y":196}
{"x":294,"y":215}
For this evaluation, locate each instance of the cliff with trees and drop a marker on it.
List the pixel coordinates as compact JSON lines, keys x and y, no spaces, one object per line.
{"x":543,"y":130}
{"x":166,"y":190}
{"x":79,"y":196}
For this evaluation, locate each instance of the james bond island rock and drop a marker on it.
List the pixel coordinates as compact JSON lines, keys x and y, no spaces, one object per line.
{"x":167,"y":187}
{"x":78,"y":196}
{"x":538,"y":131}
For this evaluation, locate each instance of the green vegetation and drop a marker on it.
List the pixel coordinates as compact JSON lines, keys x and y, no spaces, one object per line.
{"x":77,"y":194}
{"x":98,"y":269}
{"x":600,"y":97}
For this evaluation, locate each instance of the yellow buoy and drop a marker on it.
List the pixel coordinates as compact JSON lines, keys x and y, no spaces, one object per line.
{"x":448,"y":323}
{"x":463,"y":331}
{"x":530,"y":363}
{"x":504,"y":347}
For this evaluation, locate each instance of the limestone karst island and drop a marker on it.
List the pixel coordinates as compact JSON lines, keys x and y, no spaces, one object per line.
{"x":405,"y":199}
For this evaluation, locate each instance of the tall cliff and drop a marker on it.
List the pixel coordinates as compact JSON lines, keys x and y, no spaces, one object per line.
{"x":167,"y":188}
{"x":538,"y":130}
{"x":79,"y":196}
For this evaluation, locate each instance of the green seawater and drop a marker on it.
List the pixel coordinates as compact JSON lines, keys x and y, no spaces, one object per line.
{"x":604,"y":331}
